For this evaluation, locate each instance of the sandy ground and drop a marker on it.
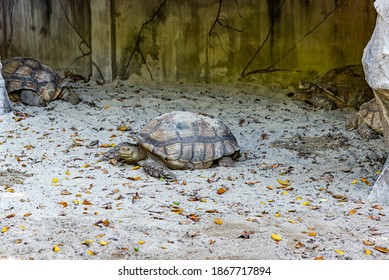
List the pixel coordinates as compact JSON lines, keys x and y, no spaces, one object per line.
{"x":58,"y":202}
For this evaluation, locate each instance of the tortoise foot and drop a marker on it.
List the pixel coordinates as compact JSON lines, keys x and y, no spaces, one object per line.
{"x":158,"y":171}
{"x":226,"y":162}
{"x":320,"y":101}
{"x":32,"y":98}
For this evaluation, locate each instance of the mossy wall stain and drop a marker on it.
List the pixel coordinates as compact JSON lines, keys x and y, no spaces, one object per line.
{"x":197,"y":40}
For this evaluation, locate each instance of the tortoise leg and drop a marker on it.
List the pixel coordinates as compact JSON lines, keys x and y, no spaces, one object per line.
{"x":226,"y":162}
{"x":32,"y":98}
{"x":320,"y":101}
{"x":157,"y":170}
{"x":366,"y":132}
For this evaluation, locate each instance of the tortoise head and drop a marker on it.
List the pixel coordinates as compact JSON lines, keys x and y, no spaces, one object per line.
{"x":132,"y":153}
{"x":66,"y":93}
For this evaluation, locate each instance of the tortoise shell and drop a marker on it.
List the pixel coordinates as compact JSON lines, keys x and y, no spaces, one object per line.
{"x":28,"y":73}
{"x":345,"y":86}
{"x":179,"y":138}
{"x":370,"y":114}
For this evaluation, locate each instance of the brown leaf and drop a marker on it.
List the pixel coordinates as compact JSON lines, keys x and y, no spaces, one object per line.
{"x":65,"y":192}
{"x":63,"y":203}
{"x":381,"y":249}
{"x":194,"y":217}
{"x":378,"y":207}
{"x":10,"y":216}
{"x":368,"y":242}
{"x":27,"y":214}
{"x":86,"y":202}
{"x":221,"y":191}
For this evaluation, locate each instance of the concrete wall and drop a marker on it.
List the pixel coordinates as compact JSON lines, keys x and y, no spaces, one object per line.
{"x":196,"y":40}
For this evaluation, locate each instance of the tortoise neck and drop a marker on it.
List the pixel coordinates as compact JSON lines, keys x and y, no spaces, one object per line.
{"x":142,"y":154}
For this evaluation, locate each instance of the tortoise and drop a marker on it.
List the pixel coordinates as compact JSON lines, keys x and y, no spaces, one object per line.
{"x":340,"y":87}
{"x":367,"y":121}
{"x":180,"y":140}
{"x":35,"y":83}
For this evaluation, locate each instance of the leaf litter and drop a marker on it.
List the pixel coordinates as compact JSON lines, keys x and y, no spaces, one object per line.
{"x":275,"y":189}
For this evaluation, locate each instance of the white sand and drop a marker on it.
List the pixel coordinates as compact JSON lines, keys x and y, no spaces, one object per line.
{"x":279,"y":138}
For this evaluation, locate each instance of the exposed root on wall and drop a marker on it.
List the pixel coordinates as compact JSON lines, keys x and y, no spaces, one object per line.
{"x":137,"y":46}
{"x":271,"y":68}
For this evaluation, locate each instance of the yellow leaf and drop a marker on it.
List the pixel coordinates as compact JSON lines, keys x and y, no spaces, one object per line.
{"x":354,"y":182}
{"x":123,"y":128}
{"x":218,"y":221}
{"x":352,"y":211}
{"x":312,"y":233}
{"x":4,"y":229}
{"x":67,"y":173}
{"x":299,"y":198}
{"x":141,"y":242}
{"x":271,"y":200}
{"x":278,"y":215}
{"x":270,"y":187}
{"x":10,"y":190}
{"x":284,"y":183}
{"x":292,"y":221}
{"x":134,"y":178}
{"x":306,"y":203}
{"x":22,"y":227}
{"x":367,"y":252}
{"x":91,"y":253}
{"x":75,"y":201}
{"x":284,"y":192}
{"x":85,"y":165}
{"x":27,"y":214}
{"x":276,"y":237}
{"x":87,"y":241}
{"x":340,"y":252}
{"x":56,"y":248}
{"x":136,"y":167}
{"x":54,"y":180}
{"x":103,"y":243}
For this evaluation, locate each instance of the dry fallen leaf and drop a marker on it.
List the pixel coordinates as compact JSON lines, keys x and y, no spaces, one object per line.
{"x":284,"y":183}
{"x":10,"y":216}
{"x":381,"y":249}
{"x":312,"y":233}
{"x":365,"y":181}
{"x":87,"y":242}
{"x":276,"y":237}
{"x":319,"y":258}
{"x":367,"y":252}
{"x":56,"y":249}
{"x":221,"y":191}
{"x":141,"y":242}
{"x":4,"y":229}
{"x":103,"y":243}
{"x":378,"y":207}
{"x":352,"y":212}
{"x":218,"y":221}
{"x":340,"y":252}
{"x":27,"y":214}
{"x":63,"y":203}
{"x":194,"y":217}
{"x":136,"y":167}
{"x":368,"y":242}
{"x":54,"y":180}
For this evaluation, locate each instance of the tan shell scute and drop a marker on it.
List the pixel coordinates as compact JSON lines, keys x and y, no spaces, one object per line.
{"x":371,"y":115}
{"x":184,"y":137}
{"x":28,"y":73}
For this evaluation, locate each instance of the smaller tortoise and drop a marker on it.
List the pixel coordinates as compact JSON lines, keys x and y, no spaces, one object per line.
{"x":340,"y":87}
{"x":367,"y":121}
{"x":34,"y":83}
{"x":181,"y":140}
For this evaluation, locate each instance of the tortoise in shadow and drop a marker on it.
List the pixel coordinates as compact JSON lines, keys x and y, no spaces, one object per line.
{"x":340,"y":87}
{"x":35,"y":83}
